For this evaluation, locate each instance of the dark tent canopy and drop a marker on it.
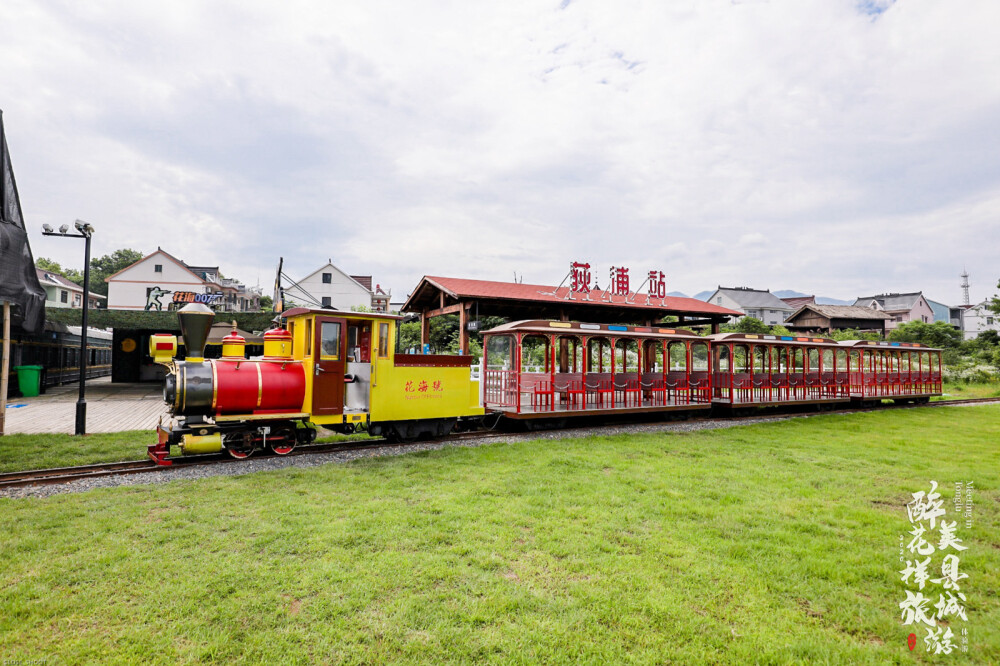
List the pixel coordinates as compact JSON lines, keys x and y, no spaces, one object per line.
{"x":18,"y":280}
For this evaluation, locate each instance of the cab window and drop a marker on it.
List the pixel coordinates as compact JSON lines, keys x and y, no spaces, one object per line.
{"x":330,"y":341}
{"x":383,"y":340}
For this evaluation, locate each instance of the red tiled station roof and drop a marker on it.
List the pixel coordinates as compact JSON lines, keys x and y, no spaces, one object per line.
{"x":517,"y":300}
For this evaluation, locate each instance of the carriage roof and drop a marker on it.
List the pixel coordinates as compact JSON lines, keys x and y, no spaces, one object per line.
{"x":582,"y":329}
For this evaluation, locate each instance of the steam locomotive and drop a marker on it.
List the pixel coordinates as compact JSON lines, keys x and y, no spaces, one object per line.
{"x":332,"y":369}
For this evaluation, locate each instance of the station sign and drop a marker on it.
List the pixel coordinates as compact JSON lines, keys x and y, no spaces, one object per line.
{"x":618,"y":281}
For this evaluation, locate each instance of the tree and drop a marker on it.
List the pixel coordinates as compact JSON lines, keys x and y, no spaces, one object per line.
{"x":939,"y":334}
{"x":266,"y":303}
{"x":47,"y":264}
{"x":994,"y":303}
{"x":53,"y":267}
{"x":108,"y":265}
{"x":751,"y":325}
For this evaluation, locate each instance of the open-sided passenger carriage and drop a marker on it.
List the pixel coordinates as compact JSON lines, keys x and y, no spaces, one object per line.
{"x":545,"y":369}
{"x":901,"y":371}
{"x":534,"y":369}
{"x":764,"y":370}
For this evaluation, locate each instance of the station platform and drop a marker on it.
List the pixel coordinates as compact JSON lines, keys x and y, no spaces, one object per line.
{"x":110,"y":408}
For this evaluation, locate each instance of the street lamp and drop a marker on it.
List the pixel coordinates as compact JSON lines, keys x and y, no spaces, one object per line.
{"x":85,"y":233}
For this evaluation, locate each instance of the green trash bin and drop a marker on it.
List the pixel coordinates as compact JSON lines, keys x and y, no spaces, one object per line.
{"x":29,"y":379}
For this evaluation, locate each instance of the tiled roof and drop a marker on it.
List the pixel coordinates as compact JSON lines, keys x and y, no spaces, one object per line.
{"x":755,"y":298}
{"x":49,"y":276}
{"x":798,"y":301}
{"x":893,"y":302}
{"x":841,"y":312}
{"x":364,"y":280}
{"x":462,"y":288}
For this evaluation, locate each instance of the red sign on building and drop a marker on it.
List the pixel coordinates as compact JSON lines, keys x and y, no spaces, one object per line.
{"x":619,"y":281}
{"x":580,"y":273}
{"x":657,"y":284}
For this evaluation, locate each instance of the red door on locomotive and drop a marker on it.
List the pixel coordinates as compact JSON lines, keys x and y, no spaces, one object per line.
{"x":330,"y":352}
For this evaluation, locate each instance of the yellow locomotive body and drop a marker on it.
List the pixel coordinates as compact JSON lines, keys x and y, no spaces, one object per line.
{"x":333,"y":369}
{"x":354,"y":376}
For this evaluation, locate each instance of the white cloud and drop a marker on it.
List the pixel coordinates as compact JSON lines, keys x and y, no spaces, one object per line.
{"x":829,"y":147}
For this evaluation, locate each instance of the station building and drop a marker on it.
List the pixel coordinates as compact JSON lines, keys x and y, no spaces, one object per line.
{"x":435,"y":296}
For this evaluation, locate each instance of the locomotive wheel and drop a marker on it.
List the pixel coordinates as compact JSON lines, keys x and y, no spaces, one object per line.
{"x":285,"y":445}
{"x":239,"y":445}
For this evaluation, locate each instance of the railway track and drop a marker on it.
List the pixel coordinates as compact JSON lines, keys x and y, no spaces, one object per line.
{"x":56,"y":475}
{"x":59,"y":475}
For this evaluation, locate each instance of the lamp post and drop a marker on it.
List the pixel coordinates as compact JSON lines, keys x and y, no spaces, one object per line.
{"x":85,"y":233}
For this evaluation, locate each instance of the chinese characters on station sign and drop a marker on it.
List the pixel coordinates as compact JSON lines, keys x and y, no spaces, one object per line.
{"x":618,"y":276}
{"x":580,"y":274}
{"x":657,"y":284}
{"x":934,"y":535}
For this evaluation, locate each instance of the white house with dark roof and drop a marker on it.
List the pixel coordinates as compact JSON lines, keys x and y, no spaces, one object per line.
{"x":330,"y":287}
{"x":979,"y":318}
{"x":901,"y":307}
{"x":158,"y":279}
{"x":61,"y":292}
{"x":758,"y":303}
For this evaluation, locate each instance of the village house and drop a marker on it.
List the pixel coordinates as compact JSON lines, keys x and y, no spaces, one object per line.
{"x":330,"y":287}
{"x":901,"y":308}
{"x":61,"y":292}
{"x":979,"y":318}
{"x":829,"y":318}
{"x":160,"y":281}
{"x":758,"y":303}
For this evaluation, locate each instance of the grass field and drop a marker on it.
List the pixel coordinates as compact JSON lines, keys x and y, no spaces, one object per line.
{"x":23,"y":452}
{"x":964,"y":391}
{"x":773,"y":543}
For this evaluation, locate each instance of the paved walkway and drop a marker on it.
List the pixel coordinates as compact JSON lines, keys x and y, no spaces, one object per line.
{"x":110,"y":408}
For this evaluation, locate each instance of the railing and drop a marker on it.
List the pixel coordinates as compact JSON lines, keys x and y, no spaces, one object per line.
{"x":500,"y":388}
{"x":544,"y":392}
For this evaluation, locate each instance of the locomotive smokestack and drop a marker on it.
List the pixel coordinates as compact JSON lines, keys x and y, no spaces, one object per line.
{"x":196,"y":322}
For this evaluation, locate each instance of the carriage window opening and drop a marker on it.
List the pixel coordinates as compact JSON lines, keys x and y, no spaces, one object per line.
{"x":699,"y":357}
{"x":741,"y":358}
{"x":534,"y":354}
{"x":329,"y":341}
{"x":598,"y":355}
{"x":652,"y":356}
{"x":383,"y":340}
{"x":498,"y":353}
{"x":626,"y":356}
{"x":352,"y":341}
{"x":309,"y":337}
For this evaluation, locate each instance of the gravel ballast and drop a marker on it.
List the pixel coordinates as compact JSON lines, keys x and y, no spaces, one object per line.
{"x":250,"y":466}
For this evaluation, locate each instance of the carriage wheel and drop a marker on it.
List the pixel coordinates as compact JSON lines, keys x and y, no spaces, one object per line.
{"x":239,"y":445}
{"x":285,"y":444}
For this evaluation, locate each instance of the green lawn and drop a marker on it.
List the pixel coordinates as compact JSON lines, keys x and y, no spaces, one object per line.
{"x":20,"y":452}
{"x":773,"y":543}
{"x":23,"y":452}
{"x":963,"y":391}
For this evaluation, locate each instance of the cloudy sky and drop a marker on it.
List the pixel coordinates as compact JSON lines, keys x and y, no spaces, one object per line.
{"x":834,"y":147}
